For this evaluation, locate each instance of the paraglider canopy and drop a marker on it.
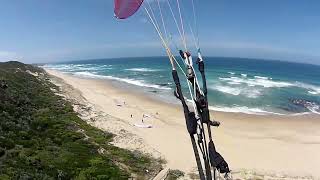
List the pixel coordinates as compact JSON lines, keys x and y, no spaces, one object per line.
{"x":126,"y":8}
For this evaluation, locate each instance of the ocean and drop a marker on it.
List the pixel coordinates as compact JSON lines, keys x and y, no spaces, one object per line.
{"x":251,"y":86}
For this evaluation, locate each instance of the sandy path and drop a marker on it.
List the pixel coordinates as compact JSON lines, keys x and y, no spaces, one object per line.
{"x":269,"y":144}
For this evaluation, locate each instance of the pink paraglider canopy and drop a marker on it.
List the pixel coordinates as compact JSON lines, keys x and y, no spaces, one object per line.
{"x":126,"y":8}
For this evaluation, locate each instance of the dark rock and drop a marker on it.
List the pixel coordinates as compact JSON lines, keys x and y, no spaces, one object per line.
{"x":310,"y":105}
{"x":303,"y":102}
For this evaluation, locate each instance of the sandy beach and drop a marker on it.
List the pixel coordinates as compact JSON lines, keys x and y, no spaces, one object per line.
{"x":286,"y":146}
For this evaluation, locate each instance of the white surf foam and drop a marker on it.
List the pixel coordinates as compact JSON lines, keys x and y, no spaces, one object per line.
{"x":138,"y":83}
{"x":315,"y":109}
{"x":247,"y":110}
{"x":253,"y":93}
{"x":261,"y":81}
{"x":240,"y":109}
{"x":300,"y":114}
{"x":76,"y":67}
{"x":312,"y":89}
{"x":233,"y":83}
{"x":60,"y":67}
{"x":268,"y":82}
{"x":313,"y":92}
{"x":260,"y":77}
{"x":107,"y":65}
{"x":126,"y":80}
{"x":87,"y":68}
{"x":142,"y":69}
{"x":227,"y":90}
{"x":89,"y":75}
{"x":236,"y":91}
{"x":243,"y":109}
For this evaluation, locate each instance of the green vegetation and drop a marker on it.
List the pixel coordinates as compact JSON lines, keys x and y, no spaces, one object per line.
{"x":174,"y":174}
{"x":41,"y":137}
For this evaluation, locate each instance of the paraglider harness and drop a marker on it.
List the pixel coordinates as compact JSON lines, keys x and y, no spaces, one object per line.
{"x":200,"y":116}
{"x":195,"y":120}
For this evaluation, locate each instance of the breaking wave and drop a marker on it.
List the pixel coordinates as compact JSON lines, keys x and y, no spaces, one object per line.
{"x":60,"y":67}
{"x":243,"y":109}
{"x":268,"y":82}
{"x":77,"y":67}
{"x":227,"y":90}
{"x":261,"y":77}
{"x":312,"y":89}
{"x":89,"y":75}
{"x":142,"y":69}
{"x":135,"y":82}
{"x":235,"y":91}
{"x":314,"y":108}
{"x":257,"y":111}
{"x":257,"y":81}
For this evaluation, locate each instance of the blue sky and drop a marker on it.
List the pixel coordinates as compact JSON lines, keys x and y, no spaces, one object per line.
{"x":59,"y":30}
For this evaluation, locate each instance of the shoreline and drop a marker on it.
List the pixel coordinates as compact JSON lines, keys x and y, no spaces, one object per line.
{"x":124,"y":88}
{"x":267,"y":143}
{"x":251,"y":93}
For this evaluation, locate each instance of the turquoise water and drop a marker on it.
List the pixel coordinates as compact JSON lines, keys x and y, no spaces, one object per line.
{"x":234,"y":84}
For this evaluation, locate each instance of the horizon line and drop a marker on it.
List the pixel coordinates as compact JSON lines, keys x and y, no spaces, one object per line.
{"x":248,"y":58}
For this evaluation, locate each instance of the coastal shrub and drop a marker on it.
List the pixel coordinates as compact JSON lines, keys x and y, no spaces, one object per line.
{"x":41,"y":137}
{"x":174,"y":174}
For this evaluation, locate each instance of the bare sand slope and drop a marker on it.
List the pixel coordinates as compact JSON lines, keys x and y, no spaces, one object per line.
{"x":288,"y":145}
